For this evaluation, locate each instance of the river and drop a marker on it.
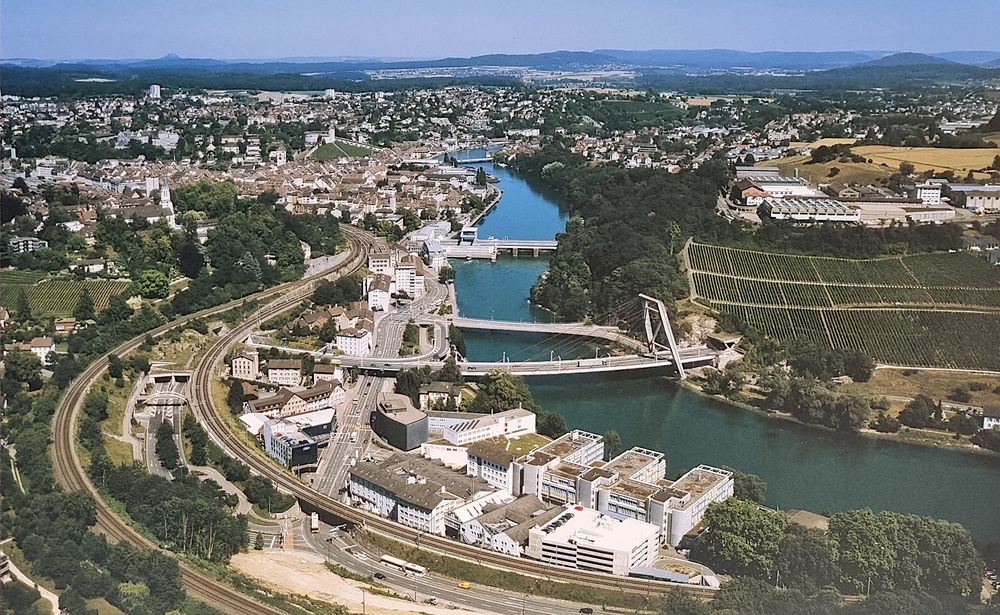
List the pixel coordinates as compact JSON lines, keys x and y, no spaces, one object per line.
{"x":804,"y":467}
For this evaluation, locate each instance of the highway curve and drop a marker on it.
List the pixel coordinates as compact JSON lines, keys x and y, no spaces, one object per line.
{"x":204,"y":407}
{"x":69,"y":471}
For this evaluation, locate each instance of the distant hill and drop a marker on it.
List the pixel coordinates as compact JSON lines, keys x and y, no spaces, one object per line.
{"x":970,"y":57}
{"x":910,"y":59}
{"x":994,"y":62}
{"x":731,"y":58}
{"x":174,"y":60}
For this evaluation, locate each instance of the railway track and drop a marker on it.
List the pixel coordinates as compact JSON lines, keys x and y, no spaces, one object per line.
{"x":204,"y":408}
{"x":69,"y":470}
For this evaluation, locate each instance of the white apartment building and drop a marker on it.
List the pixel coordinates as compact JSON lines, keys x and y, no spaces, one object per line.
{"x":410,"y":276}
{"x":382,"y":262}
{"x":284,"y":372}
{"x":245,"y":365}
{"x":154,"y":91}
{"x":355,"y":342}
{"x":379,"y":292}
{"x":590,"y":540}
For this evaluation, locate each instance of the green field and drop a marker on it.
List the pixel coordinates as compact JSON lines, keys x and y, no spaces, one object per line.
{"x":340,"y":149}
{"x":934,"y":310}
{"x":58,"y":297}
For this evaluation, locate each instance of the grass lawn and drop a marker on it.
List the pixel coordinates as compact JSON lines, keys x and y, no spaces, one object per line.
{"x":526,"y":443}
{"x":104,"y":607}
{"x":118,"y":452}
{"x":117,"y":399}
{"x":340,"y":149}
{"x":936,"y":384}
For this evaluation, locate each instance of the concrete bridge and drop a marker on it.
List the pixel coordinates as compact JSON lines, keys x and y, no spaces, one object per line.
{"x":490,"y":248}
{"x":690,"y":357}
{"x":609,"y":334}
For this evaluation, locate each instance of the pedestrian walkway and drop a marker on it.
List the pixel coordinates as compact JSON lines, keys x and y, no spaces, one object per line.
{"x":51,"y":597}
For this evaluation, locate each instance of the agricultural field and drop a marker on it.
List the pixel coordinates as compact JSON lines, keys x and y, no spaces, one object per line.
{"x":961,"y":161}
{"x":933,"y":310}
{"x":58,"y":297}
{"x":340,"y":149}
{"x":849,"y":172}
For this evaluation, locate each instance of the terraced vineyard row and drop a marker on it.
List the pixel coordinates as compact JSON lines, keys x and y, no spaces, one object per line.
{"x":934,"y":310}
{"x":17,"y":276}
{"x":959,"y":269}
{"x":721,"y":289}
{"x":924,"y":338}
{"x":59,"y":297}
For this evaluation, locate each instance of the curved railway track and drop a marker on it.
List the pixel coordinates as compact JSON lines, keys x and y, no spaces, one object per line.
{"x":204,"y":407}
{"x":69,"y":470}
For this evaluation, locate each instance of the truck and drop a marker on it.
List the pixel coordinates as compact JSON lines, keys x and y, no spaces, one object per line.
{"x":314,"y":523}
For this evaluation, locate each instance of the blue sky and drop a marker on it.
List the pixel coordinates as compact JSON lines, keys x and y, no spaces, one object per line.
{"x":282,"y":28}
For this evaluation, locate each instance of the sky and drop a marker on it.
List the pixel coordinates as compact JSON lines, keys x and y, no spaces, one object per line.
{"x":225,"y":29}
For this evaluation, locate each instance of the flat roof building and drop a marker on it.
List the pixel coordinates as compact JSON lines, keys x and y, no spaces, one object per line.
{"x":397,"y":422}
{"x":591,"y":540}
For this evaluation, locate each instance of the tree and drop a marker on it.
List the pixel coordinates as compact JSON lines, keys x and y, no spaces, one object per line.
{"x":446,"y":274}
{"x":190,"y":259}
{"x":153,"y":284}
{"x":481,"y":177}
{"x":258,"y":542}
{"x":742,"y":538}
{"x":22,"y":308}
{"x":612,"y":444}
{"x":906,"y":168}
{"x":885,"y":423}
{"x":919,"y":412}
{"x":806,"y":558}
{"x":450,"y":371}
{"x":674,"y":233}
{"x":457,"y":339}
{"x":166,"y":447}
{"x":115,"y":366}
{"x":118,"y":310}
{"x":746,"y":486}
{"x":85,"y":306}
{"x":235,"y":397}
{"x":23,"y":367}
{"x":963,"y":424}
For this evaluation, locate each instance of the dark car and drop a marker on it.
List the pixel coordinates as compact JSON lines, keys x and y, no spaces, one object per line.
{"x":379,"y":575}
{"x":587,"y":610}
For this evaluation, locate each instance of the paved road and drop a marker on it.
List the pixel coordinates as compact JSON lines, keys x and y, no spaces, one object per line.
{"x":353,"y":438}
{"x":340,"y":548}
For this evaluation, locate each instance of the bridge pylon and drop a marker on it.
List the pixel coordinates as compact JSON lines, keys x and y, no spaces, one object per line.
{"x":657,"y":322}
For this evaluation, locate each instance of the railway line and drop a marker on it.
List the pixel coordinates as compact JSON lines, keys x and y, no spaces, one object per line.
{"x":204,"y":407}
{"x":69,"y":470}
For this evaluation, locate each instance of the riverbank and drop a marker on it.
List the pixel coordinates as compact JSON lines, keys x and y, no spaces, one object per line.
{"x":497,"y":194}
{"x":941,"y":438}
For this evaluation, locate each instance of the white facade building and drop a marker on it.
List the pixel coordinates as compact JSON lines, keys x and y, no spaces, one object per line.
{"x":590,"y":540}
{"x":355,"y":342}
{"x":245,"y":365}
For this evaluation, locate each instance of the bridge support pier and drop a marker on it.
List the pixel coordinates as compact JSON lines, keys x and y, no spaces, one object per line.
{"x":654,"y":310}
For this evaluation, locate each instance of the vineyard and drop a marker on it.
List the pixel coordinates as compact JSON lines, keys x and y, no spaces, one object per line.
{"x":56,"y":297}
{"x":934,"y":310}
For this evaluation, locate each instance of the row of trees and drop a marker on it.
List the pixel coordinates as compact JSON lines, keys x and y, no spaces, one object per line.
{"x":861,"y":551}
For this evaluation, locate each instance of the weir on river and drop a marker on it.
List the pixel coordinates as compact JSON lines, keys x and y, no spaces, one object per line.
{"x":804,"y":467}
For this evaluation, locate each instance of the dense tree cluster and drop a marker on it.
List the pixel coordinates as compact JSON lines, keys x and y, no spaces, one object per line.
{"x":619,"y":241}
{"x":861,"y":551}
